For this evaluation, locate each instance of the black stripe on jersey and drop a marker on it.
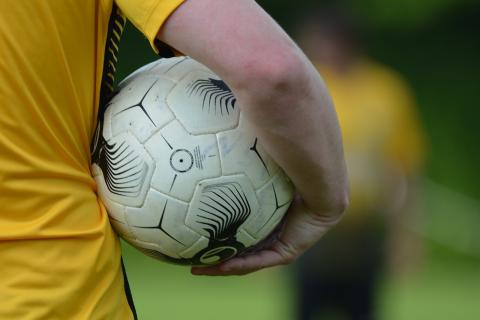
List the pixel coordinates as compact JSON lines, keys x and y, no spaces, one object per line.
{"x":116,"y":25}
{"x":128,"y":293}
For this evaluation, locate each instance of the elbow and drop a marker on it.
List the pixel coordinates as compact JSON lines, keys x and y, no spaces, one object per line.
{"x":268,"y":78}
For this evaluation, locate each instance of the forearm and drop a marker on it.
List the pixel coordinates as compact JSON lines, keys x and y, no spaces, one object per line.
{"x":298,"y":126}
{"x":284,"y":98}
{"x":278,"y":90}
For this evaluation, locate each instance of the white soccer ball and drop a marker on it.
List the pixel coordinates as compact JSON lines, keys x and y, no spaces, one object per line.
{"x":179,"y":169}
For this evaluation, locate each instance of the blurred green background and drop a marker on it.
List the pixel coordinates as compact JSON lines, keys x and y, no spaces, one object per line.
{"x":436,"y":46}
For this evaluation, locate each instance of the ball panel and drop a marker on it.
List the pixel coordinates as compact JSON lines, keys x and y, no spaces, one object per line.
{"x":161,"y":213}
{"x":170,"y":66}
{"x":154,"y":249}
{"x":121,"y":229}
{"x":96,"y":173}
{"x":116,"y":211}
{"x":220,"y":206}
{"x":126,"y":170}
{"x":154,"y":68}
{"x":274,"y":199}
{"x":245,"y":238}
{"x":146,"y":111}
{"x":107,"y":124}
{"x":179,"y":67}
{"x":203,"y":103}
{"x":240,"y":151}
{"x":198,"y":246}
{"x":154,"y":253}
{"x":182,"y":160}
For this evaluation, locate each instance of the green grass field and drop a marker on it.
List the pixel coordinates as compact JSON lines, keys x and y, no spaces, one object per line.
{"x":446,"y":290}
{"x":447,"y":287}
{"x":163,"y":291}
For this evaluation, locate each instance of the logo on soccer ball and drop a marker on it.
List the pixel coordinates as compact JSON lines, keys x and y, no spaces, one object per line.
{"x":219,"y":254}
{"x":181,"y":160}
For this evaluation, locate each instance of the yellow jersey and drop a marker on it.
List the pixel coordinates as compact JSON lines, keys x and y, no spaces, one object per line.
{"x":381,"y":132}
{"x":59,"y":258}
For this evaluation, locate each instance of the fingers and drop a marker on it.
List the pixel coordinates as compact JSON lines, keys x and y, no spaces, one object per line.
{"x":301,"y":230}
{"x":243,"y":265}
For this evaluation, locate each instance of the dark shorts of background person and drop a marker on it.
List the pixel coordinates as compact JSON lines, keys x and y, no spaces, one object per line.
{"x":338,"y":277}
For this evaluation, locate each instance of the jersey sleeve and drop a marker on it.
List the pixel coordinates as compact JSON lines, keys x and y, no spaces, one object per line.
{"x":148,"y":16}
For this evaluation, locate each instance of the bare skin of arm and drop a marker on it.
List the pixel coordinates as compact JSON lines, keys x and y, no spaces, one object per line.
{"x":285,"y":99}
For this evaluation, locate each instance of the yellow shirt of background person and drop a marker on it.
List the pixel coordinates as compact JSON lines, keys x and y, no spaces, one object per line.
{"x":381,"y":133}
{"x":59,"y":258}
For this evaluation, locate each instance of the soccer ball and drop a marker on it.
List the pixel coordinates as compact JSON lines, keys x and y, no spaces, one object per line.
{"x":181,"y":173}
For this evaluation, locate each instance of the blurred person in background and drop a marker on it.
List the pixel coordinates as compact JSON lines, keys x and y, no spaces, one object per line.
{"x":384,"y":151}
